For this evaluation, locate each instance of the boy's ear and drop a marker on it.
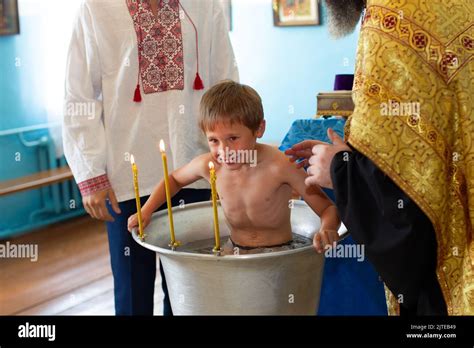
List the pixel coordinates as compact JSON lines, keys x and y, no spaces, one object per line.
{"x":261,"y":129}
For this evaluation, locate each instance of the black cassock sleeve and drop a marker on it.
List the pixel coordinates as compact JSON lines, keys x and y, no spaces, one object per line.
{"x":398,"y":237}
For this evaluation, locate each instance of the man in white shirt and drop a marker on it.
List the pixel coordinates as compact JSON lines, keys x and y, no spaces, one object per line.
{"x":136,"y":72}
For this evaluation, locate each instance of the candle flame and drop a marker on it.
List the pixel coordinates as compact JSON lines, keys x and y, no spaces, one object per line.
{"x":162,"y":145}
{"x":211,"y":165}
{"x":132,"y":159}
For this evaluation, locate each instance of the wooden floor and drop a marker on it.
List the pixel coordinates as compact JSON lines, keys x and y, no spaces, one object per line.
{"x":72,"y":275}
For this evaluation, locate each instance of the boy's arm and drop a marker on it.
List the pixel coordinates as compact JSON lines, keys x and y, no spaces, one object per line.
{"x":318,"y":201}
{"x":179,"y":178}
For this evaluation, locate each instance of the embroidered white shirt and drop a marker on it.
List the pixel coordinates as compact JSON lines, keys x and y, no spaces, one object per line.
{"x":103,"y":125}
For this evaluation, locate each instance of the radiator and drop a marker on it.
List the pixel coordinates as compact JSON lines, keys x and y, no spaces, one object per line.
{"x":58,"y":202}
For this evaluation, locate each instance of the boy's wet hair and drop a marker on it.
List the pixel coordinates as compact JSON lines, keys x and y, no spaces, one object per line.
{"x":229,"y":101}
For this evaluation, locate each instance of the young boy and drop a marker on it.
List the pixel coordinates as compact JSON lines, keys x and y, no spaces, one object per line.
{"x":254,"y":181}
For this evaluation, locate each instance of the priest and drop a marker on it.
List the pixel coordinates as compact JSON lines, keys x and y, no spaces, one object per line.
{"x":404,"y":183}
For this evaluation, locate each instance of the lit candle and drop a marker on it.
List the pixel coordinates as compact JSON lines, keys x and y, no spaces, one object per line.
{"x":173,"y":243}
{"x":213,"y":178}
{"x":137,"y":196}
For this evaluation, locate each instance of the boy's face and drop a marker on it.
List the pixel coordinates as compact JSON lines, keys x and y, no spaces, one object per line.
{"x":227,"y":140}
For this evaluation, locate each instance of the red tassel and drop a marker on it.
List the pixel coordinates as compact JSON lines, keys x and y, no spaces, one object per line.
{"x":137,"y":98}
{"x":198,"y":83}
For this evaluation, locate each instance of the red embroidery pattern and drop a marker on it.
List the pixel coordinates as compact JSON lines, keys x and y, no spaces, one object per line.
{"x":93,"y":185}
{"x":468,"y":43}
{"x":160,"y":45}
{"x":420,"y":40}
{"x":390,"y":22}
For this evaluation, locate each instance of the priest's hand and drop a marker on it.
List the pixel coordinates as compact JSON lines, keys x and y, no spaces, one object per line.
{"x":95,"y":204}
{"x":319,"y":171}
{"x":302,"y":151}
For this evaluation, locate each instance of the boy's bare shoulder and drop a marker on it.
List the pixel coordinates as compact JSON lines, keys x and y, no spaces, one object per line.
{"x":277,"y":159}
{"x":201,"y":162}
{"x":204,"y":158}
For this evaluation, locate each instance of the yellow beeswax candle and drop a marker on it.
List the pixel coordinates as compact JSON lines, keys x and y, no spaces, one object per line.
{"x":213,"y":178}
{"x":137,"y":196}
{"x":173,"y":242}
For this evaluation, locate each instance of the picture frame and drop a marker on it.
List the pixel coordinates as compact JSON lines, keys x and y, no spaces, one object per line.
{"x":288,"y":13}
{"x":9,"y":18}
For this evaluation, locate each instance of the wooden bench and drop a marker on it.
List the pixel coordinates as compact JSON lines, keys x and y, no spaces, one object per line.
{"x":36,"y":180}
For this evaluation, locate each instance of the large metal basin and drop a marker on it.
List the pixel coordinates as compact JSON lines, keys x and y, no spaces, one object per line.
{"x":277,"y":283}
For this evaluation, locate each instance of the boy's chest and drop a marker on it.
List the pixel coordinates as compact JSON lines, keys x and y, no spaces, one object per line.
{"x":255,"y":193}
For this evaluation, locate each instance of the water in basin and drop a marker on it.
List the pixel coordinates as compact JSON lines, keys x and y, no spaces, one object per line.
{"x":205,"y":246}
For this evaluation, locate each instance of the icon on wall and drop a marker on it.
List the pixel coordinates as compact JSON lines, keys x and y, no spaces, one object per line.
{"x":295,"y":12}
{"x":9,"y":21}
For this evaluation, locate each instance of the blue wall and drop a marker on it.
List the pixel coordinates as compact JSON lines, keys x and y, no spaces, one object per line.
{"x":20,"y":105}
{"x":21,"y":93}
{"x":287,"y":66}
{"x":21,"y":87}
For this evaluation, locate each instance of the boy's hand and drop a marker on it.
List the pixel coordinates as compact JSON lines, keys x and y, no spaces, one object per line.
{"x":133,"y":220}
{"x":325,"y":239}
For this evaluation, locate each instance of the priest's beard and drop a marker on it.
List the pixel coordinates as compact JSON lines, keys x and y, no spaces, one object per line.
{"x":343,"y":16}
